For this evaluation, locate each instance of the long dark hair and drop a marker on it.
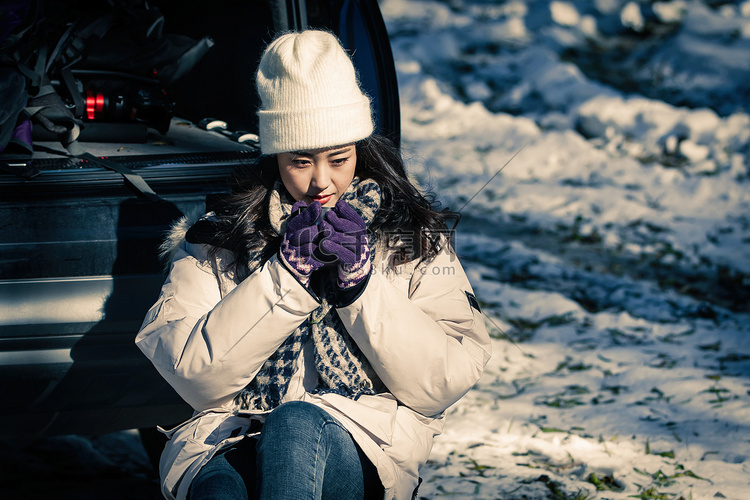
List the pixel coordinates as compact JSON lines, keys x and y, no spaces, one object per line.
{"x":408,"y":221}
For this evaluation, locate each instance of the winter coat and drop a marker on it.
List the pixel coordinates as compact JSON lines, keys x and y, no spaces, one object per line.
{"x":208,"y":335}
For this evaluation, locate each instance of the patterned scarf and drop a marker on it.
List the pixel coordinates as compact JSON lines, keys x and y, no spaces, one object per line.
{"x":341,"y":366}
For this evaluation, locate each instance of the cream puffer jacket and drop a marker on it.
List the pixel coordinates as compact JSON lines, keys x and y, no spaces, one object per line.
{"x":419,"y":326}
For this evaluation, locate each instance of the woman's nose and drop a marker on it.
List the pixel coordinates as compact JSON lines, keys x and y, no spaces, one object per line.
{"x":321,"y":176}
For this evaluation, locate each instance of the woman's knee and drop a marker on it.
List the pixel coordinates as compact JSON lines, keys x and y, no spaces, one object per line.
{"x":217,"y":480}
{"x":294,"y":416}
{"x":302,"y":444}
{"x":300,"y":429}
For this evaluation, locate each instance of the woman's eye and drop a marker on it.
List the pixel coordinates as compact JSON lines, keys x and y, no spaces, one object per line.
{"x":339,"y":161}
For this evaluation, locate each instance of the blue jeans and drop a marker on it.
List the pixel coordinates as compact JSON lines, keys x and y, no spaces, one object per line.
{"x":303,"y":453}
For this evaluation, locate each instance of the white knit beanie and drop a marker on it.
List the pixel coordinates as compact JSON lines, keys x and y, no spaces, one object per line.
{"x":310,"y":97}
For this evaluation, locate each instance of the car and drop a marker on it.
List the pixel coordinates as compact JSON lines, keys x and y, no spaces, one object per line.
{"x":80,"y":233}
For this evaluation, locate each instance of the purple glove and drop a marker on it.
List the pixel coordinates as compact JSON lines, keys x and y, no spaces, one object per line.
{"x":298,"y":245}
{"x":345,"y":236}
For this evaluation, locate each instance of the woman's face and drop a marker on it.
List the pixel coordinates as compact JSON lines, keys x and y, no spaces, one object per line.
{"x":321,"y":175}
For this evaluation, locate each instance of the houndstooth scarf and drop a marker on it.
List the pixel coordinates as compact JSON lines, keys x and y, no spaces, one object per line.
{"x":340,"y":365}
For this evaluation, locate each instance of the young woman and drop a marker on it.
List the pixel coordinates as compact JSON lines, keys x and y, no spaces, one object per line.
{"x":319,"y":322}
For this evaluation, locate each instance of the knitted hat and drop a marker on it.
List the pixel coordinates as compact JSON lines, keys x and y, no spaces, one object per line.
{"x":310,"y":97}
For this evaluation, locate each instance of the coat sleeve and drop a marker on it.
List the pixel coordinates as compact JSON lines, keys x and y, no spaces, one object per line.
{"x":428,"y":350}
{"x":208,"y":347}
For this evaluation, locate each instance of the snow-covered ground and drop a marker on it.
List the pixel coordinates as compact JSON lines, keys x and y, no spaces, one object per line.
{"x":599,"y":152}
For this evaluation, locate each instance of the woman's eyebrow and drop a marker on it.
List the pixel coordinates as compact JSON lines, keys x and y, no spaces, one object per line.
{"x":309,"y":154}
{"x":339,"y":151}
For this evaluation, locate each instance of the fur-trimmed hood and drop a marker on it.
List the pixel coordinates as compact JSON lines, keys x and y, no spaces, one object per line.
{"x":175,"y":236}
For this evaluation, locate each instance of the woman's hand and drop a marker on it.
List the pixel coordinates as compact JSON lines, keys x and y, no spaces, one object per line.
{"x":298,"y":245}
{"x":345,"y":236}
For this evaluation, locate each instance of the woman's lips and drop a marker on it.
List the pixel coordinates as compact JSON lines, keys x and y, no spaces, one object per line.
{"x":322,"y":199}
